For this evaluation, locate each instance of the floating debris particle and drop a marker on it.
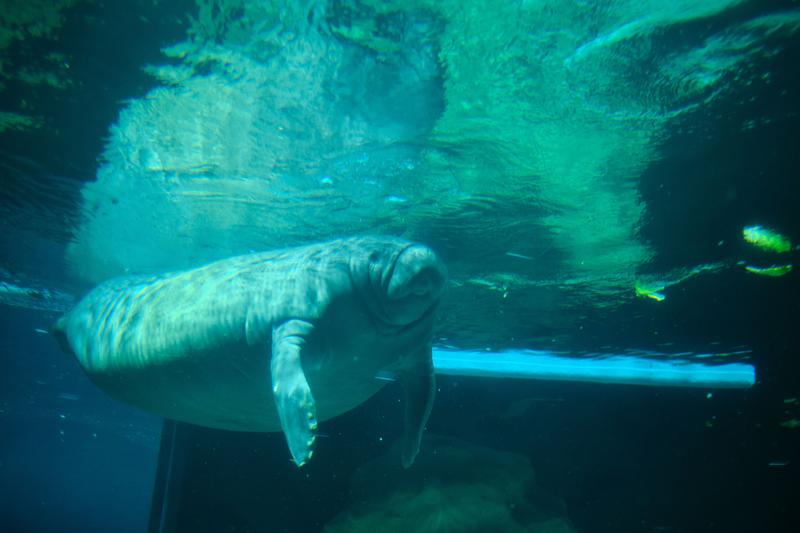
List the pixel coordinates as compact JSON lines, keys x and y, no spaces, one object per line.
{"x":778,"y":464}
{"x":518,"y":256}
{"x":68,"y":396}
{"x":394,"y":199}
{"x":766,"y":239}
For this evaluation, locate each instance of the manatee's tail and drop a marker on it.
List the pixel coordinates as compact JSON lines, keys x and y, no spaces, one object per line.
{"x":58,"y":330}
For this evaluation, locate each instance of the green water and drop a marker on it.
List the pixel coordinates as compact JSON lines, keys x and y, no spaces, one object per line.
{"x":510,"y":135}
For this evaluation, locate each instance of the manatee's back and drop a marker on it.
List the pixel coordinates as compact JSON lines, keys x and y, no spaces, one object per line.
{"x":134,"y":323}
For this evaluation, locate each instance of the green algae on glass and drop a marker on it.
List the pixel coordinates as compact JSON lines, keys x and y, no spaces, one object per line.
{"x":20,"y":24}
{"x":771,"y":271}
{"x":650,"y":291}
{"x":766,"y":239}
{"x":16,"y":121}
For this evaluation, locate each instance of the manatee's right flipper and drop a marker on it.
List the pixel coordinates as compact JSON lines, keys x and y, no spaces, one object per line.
{"x":292,"y":394}
{"x":419,"y":385}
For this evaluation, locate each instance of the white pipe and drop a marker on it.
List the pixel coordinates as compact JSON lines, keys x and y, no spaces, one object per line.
{"x":621,"y":369}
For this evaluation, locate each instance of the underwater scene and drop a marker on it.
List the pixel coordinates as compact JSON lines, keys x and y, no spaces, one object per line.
{"x":393,"y":266}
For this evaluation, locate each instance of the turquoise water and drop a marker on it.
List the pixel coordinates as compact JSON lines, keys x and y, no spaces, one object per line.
{"x":585,"y":169}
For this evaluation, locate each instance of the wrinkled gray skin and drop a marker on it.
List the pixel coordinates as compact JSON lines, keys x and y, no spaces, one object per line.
{"x":268,"y":341}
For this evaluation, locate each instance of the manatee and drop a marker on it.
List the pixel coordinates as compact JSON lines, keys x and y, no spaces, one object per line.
{"x":268,"y":341}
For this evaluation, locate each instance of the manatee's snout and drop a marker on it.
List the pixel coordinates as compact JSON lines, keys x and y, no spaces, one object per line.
{"x":418,"y":275}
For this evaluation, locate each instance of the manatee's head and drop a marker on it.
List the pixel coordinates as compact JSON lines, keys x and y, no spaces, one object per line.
{"x":402,"y":281}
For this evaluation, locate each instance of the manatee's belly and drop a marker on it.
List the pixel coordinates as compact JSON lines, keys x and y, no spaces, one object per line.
{"x":226,"y":389}
{"x":231,"y":388}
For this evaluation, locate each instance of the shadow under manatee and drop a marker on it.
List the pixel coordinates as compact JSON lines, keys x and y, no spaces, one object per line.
{"x":238,"y":481}
{"x":225,"y":481}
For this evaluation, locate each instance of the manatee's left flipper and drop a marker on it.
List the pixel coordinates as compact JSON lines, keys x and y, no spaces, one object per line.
{"x":420,"y":388}
{"x":292,"y":394}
